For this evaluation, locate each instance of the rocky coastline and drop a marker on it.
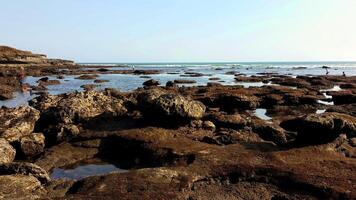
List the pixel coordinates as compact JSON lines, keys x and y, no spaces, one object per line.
{"x":198,"y":142}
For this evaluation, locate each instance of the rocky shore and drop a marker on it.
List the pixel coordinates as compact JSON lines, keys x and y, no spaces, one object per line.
{"x":185,"y":143}
{"x":292,"y":139}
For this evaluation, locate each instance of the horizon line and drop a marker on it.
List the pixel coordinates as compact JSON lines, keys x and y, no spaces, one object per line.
{"x":218,"y":62}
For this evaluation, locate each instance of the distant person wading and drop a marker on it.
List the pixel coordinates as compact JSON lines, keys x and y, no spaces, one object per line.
{"x":21,"y":77}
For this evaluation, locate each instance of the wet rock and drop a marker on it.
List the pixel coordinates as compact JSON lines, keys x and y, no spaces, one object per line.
{"x":100,"y":81}
{"x":289,"y":81}
{"x":87,"y":77}
{"x":348,"y":86}
{"x":228,"y":121}
{"x":25,"y":168}
{"x":213,"y":84}
{"x":170,"y":84}
{"x":17,"y":122}
{"x":184,"y":81}
{"x":321,"y":128}
{"x":45,"y":81}
{"x":239,"y":101}
{"x":32,"y":145}
{"x":349,"y":109}
{"x":270,"y":100}
{"x":221,"y":139}
{"x":7,"y":152}
{"x":39,"y":88}
{"x":65,"y":154}
{"x":89,"y":87}
{"x":20,"y":187}
{"x":269,"y":132}
{"x":249,"y":79}
{"x":143,"y":72}
{"x":151,"y":82}
{"x":343,"y":97}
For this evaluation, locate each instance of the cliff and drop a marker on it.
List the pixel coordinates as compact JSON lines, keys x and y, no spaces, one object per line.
{"x":12,"y":56}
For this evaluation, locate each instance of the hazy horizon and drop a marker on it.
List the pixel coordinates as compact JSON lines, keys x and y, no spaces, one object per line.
{"x":176,"y":31}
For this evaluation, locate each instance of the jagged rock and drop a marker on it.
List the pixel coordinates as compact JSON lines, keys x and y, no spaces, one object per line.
{"x":6,"y":92}
{"x":20,"y":187}
{"x":32,"y":145}
{"x":7,"y":152}
{"x":178,"y":106}
{"x":17,"y":122}
{"x":321,"y":128}
{"x":61,"y":114}
{"x":25,"y":168}
{"x":75,"y":107}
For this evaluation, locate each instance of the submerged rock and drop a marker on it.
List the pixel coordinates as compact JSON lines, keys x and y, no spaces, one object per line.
{"x":17,"y":122}
{"x":7,"y":152}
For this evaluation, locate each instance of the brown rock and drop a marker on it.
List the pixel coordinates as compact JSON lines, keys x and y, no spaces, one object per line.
{"x":32,"y":145}
{"x":17,"y":122}
{"x":7,"y":152}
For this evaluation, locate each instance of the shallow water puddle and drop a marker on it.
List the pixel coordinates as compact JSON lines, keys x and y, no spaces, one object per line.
{"x":336,"y":88}
{"x":261,"y":113}
{"x":86,"y":170}
{"x":20,"y":99}
{"x":331,"y":103}
{"x":320,"y":111}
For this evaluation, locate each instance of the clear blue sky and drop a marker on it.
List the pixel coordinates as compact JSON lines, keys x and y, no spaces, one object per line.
{"x":182,"y":30}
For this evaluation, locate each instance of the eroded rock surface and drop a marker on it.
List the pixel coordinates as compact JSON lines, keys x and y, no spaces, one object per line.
{"x":7,"y":152}
{"x":17,"y":122}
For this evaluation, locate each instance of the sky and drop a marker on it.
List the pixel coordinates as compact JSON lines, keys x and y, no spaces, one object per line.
{"x":182,"y":30}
